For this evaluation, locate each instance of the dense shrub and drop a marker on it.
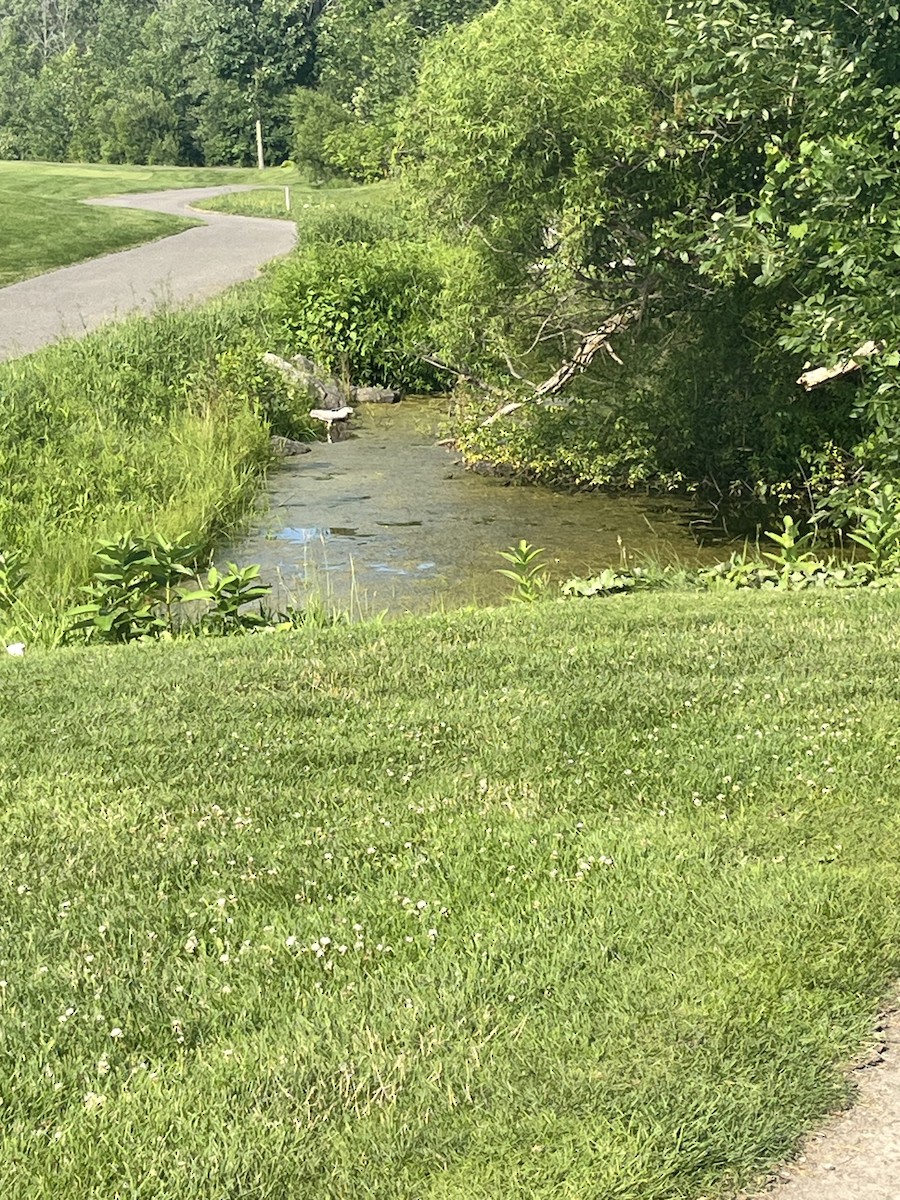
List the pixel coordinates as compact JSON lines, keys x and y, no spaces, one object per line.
{"x":362,"y":310}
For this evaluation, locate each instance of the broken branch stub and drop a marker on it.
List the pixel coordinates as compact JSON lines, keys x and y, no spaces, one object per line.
{"x":819,"y":375}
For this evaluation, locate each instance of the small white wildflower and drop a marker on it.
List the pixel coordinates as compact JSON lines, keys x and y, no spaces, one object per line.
{"x":116,"y":1033}
{"x":290,"y":941}
{"x":17,"y":649}
{"x":93,"y":1100}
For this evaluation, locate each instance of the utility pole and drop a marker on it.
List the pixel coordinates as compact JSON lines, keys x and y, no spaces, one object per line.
{"x":260,"y":157}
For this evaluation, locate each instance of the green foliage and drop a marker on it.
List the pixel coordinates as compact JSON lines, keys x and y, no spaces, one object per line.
{"x":228,"y":592}
{"x":798,"y":177}
{"x":138,"y":589}
{"x":133,"y":587}
{"x":314,"y":117}
{"x":368,"y":55}
{"x":361,"y":310}
{"x":608,"y":583}
{"x":158,"y":422}
{"x":527,"y":570}
{"x":361,"y":150}
{"x":733,"y":197}
{"x":877,"y":513}
{"x":796,"y":566}
{"x":12,"y":576}
{"x":243,"y":379}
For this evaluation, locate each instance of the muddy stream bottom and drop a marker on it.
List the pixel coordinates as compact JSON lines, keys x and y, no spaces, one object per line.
{"x":387,"y":520}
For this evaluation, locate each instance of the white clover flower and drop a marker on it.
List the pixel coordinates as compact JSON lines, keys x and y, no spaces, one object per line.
{"x":17,"y":649}
{"x":115,"y":1033}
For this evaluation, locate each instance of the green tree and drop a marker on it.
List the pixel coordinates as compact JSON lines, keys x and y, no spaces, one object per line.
{"x":367,"y":59}
{"x":62,"y":110}
{"x":264,"y":48}
{"x":600,"y":167}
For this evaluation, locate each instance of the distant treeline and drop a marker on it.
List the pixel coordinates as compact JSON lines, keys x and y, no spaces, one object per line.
{"x":184,"y":81}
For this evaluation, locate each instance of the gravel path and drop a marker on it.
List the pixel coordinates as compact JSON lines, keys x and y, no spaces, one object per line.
{"x":856,"y":1156}
{"x":188,"y":266}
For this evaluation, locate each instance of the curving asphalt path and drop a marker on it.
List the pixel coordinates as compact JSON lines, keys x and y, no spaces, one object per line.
{"x":188,"y":266}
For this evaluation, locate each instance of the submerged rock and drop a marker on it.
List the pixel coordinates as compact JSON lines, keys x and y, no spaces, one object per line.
{"x":375,"y":395}
{"x":287,"y":446}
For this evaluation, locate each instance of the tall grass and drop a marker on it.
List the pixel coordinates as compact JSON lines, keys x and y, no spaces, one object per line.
{"x":156,"y":424}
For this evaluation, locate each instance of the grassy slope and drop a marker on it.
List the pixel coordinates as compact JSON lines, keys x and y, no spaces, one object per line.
{"x":45,"y":227}
{"x":568,"y":901}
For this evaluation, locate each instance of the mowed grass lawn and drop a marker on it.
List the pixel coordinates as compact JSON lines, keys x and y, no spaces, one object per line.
{"x":43,"y":225}
{"x":571,"y":900}
{"x":305,"y":200}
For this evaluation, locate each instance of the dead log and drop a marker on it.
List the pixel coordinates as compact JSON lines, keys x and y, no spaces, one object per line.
{"x":590,"y":346}
{"x":819,"y":375}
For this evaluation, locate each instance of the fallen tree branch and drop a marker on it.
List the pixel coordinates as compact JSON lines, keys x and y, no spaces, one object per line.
{"x":459,"y":372}
{"x":591,"y":345}
{"x":818,"y":376}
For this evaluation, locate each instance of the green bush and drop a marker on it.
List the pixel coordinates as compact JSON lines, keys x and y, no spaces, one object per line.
{"x":314,"y":116}
{"x":362,"y":311}
{"x":332,"y":226}
{"x":158,"y":423}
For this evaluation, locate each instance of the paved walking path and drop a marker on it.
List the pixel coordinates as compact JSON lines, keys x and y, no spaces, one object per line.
{"x":856,"y":1156}
{"x":188,"y":266}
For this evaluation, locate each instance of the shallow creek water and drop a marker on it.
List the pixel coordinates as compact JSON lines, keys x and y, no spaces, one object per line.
{"x":386,"y":519}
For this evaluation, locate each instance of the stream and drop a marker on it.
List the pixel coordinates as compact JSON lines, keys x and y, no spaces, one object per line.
{"x":387,"y":520}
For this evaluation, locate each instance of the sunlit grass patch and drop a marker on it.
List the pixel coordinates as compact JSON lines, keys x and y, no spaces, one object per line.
{"x":303,"y":199}
{"x":562,"y":900}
